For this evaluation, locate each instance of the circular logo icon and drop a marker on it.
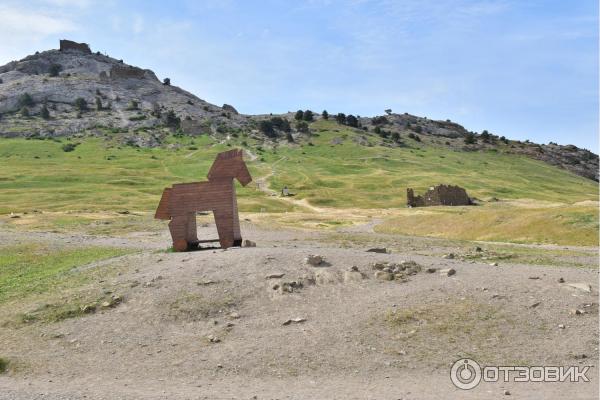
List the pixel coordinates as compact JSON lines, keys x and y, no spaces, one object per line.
{"x":465,"y":374}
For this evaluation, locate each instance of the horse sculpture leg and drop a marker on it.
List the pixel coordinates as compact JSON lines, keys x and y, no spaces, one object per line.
{"x":179,"y":228}
{"x":224,"y":222}
{"x":191,"y":233}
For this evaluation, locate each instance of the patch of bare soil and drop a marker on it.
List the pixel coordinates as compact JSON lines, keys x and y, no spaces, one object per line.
{"x":263,"y":322}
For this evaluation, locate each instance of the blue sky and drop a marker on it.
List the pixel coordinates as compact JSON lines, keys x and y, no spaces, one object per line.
{"x":523,"y":69}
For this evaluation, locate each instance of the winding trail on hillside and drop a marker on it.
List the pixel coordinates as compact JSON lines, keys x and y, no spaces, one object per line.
{"x":263,"y":185}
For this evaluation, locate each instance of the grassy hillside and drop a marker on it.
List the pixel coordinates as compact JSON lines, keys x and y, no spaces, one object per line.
{"x":347,"y":181}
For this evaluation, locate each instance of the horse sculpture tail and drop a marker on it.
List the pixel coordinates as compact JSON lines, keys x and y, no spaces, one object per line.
{"x":162,"y":212}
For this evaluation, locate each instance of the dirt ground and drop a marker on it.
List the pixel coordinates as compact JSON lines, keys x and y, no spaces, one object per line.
{"x":259,"y":322}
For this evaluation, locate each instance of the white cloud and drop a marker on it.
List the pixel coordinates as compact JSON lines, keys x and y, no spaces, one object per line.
{"x":138,"y":24}
{"x":19,"y":23}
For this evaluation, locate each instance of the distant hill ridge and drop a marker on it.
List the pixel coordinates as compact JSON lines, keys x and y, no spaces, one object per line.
{"x":74,"y":91}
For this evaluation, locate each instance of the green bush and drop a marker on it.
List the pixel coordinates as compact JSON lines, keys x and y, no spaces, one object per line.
{"x":266,"y":127}
{"x":80,"y":104}
{"x":45,"y":113}
{"x":3,"y":365}
{"x":25,"y":100}
{"x":299,"y":115}
{"x":470,"y":138}
{"x":302,"y":126}
{"x":54,"y":70}
{"x":325,"y":114}
{"x":172,"y":120}
{"x":68,"y":147}
{"x":133,"y":105}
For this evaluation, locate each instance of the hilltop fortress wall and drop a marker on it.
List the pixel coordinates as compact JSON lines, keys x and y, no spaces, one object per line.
{"x":70,"y":45}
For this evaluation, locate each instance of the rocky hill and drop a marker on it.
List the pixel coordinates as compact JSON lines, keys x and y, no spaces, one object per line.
{"x":73,"y":91}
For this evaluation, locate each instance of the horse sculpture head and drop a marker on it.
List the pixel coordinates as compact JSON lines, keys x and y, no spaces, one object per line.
{"x":230,"y":164}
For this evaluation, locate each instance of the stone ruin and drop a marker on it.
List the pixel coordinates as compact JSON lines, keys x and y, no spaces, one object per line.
{"x":70,"y":45}
{"x":440,"y":195}
{"x":124,"y":71}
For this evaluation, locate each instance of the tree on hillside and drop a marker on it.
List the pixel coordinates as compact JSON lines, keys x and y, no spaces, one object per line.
{"x":325,"y":114}
{"x":299,"y":115}
{"x":352,"y":121}
{"x":98,"y":104}
{"x":396,"y":137}
{"x":167,"y":81}
{"x":388,"y":111}
{"x":308,"y":116}
{"x":341,"y":118}
{"x":289,"y":137}
{"x":24,"y":111}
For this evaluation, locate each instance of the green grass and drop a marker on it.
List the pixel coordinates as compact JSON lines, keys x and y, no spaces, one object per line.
{"x":541,"y":203}
{"x":98,"y":175}
{"x":35,"y":269}
{"x":348,"y":175}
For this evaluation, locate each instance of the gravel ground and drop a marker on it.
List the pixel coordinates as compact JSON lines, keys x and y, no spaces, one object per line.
{"x":260,"y":321}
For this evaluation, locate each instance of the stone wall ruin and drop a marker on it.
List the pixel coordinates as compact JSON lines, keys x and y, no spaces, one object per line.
{"x":440,"y":195}
{"x":123,"y":71}
{"x":70,"y":45}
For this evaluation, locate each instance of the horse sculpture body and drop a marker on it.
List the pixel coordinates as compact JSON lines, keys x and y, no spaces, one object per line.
{"x":180,"y":203}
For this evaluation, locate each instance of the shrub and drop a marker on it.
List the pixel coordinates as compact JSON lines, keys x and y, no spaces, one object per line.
{"x":308,"y":116}
{"x":281,"y":124}
{"x":25,"y":100}
{"x":302,"y":126}
{"x":485,"y":136}
{"x":299,"y":115}
{"x":167,"y":81}
{"x":396,"y":137}
{"x":380,"y":120}
{"x":172,"y":120}
{"x":54,"y":70}
{"x":289,"y":137}
{"x":340,"y":118}
{"x":470,"y":138}
{"x":418,"y":128}
{"x":80,"y":104}
{"x":98,"y":104}
{"x":68,"y":147}
{"x":325,"y":114}
{"x":45,"y":113}
{"x":388,"y":111}
{"x":3,"y":365}
{"x":24,"y":111}
{"x":352,"y":121}
{"x":266,"y":127}
{"x":417,"y":138}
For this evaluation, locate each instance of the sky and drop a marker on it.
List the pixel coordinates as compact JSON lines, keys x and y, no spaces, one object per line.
{"x":522,"y":69}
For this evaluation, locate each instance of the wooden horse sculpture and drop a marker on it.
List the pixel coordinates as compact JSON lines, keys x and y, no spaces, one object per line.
{"x":180,"y":203}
